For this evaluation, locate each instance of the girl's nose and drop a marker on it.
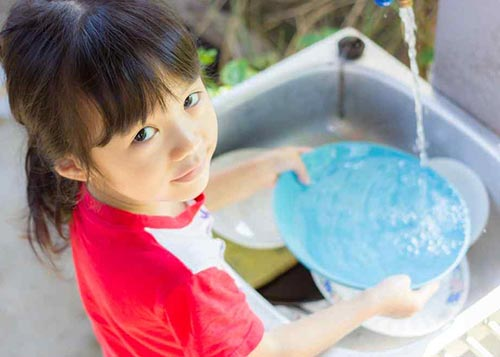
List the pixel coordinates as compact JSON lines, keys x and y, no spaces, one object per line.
{"x":186,"y":143}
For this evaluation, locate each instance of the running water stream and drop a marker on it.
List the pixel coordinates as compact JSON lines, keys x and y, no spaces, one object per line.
{"x":408,"y":18}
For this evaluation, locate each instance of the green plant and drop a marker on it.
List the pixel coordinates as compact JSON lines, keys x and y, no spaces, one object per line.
{"x":315,"y":36}
{"x":207,"y":56}
{"x":233,"y":72}
{"x":291,"y":25}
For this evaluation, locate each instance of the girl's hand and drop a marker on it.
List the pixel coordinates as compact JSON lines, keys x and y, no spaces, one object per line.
{"x":272,"y":163}
{"x":395,"y":298}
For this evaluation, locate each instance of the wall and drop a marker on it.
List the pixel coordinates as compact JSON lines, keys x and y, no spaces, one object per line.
{"x":467,"y":57}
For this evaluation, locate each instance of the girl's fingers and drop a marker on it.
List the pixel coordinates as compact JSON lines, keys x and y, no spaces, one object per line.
{"x":304,"y":149}
{"x":301,"y":171}
{"x":426,"y":292}
{"x":298,"y":165}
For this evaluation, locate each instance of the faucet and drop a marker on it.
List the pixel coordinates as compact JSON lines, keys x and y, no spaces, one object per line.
{"x":402,"y":3}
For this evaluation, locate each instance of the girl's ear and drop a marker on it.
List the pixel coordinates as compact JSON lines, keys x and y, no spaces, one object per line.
{"x":69,"y":168}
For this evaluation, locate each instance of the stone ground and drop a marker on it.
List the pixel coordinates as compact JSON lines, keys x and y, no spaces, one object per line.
{"x":40,"y":311}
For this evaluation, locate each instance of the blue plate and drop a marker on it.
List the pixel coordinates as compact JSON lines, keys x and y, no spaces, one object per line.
{"x":371,"y":212}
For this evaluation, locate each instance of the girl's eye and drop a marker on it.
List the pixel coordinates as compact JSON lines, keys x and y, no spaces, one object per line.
{"x":145,"y":134}
{"x":192,"y":100}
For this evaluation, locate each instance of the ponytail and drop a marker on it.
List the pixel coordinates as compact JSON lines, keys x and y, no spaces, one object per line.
{"x":51,"y":199}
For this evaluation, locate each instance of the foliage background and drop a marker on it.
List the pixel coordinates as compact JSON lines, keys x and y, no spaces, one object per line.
{"x":238,"y":38}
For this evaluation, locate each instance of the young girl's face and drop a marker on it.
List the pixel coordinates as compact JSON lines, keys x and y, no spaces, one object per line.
{"x":167,"y":158}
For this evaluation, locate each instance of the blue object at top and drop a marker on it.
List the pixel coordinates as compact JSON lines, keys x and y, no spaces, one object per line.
{"x":371,"y":212}
{"x":383,"y":2}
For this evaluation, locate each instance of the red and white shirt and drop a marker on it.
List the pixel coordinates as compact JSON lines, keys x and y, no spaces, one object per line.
{"x":158,"y":285}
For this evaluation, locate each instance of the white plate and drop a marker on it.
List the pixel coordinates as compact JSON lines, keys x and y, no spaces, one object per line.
{"x":470,"y":187}
{"x":249,"y":223}
{"x":440,"y":309}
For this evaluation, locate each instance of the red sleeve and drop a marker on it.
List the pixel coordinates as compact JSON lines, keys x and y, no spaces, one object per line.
{"x":209,"y":316}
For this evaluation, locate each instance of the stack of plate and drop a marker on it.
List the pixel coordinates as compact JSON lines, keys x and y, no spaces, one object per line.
{"x":441,"y":308}
{"x":372,"y":212}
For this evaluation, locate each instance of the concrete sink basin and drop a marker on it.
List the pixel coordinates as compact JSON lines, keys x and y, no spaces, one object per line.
{"x":296,"y":102}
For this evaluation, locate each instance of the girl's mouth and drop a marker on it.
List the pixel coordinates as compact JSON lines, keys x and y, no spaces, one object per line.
{"x":192,"y":173}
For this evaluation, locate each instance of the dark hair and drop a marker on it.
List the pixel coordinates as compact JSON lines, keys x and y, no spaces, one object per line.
{"x":119,"y":58}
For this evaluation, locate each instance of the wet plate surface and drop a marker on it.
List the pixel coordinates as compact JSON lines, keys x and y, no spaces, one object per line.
{"x":371,"y":212}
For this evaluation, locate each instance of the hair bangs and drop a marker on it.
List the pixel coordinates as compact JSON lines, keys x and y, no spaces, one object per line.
{"x":126,"y":69}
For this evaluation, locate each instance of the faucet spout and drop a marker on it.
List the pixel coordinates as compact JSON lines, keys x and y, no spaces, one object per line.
{"x":406,"y":3}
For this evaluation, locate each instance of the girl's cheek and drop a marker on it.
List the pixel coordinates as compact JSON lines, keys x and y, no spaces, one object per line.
{"x":210,"y":120}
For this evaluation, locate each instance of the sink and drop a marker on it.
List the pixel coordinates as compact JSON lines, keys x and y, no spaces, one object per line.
{"x":295,"y":102}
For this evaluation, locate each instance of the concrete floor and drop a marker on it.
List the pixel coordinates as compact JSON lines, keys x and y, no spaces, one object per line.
{"x":40,"y":312}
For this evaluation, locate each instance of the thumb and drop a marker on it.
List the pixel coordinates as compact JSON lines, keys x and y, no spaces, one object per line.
{"x":426,"y":292}
{"x":301,"y":171}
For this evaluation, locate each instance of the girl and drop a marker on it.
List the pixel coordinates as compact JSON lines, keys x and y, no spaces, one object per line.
{"x":120,"y":136}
